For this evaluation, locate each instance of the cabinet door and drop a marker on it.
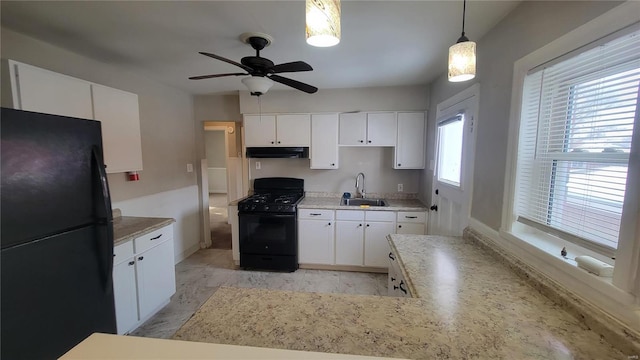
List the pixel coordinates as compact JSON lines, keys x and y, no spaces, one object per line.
{"x":410,"y":228}
{"x":125,"y":295}
{"x":119,"y":114}
{"x":353,"y":129}
{"x":324,"y":141}
{"x":259,"y":130}
{"x":349,"y":242}
{"x":44,"y":91}
{"x":381,"y":129}
{"x":410,"y":148}
{"x":315,"y":242}
{"x":156,"y":277}
{"x":376,"y":246}
{"x":293,"y":130}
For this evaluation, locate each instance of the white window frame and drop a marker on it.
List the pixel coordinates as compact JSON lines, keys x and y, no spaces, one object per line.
{"x":627,"y":263}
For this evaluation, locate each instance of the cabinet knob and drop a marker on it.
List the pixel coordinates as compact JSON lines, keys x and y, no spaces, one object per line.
{"x":393,"y":279}
{"x":332,"y":164}
{"x":369,"y":141}
{"x":131,"y":263}
{"x":273,"y":142}
{"x":399,"y":164}
{"x":399,"y":226}
{"x":329,"y":224}
{"x":361,"y":141}
{"x":359,"y":225}
{"x":140,"y":258}
{"x":368,"y":225}
{"x":278,"y":142}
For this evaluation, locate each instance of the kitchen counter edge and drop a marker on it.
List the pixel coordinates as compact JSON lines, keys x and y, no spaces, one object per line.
{"x":333,"y":203}
{"x":127,"y":228}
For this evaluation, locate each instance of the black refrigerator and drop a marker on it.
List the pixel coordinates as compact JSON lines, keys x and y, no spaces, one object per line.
{"x":56,"y":234}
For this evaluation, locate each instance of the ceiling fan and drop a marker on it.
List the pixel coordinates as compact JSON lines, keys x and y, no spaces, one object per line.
{"x":262,"y":71}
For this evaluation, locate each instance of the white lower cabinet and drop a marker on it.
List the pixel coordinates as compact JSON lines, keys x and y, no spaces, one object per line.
{"x":361,"y":237}
{"x":315,"y":237}
{"x":143,"y":277}
{"x":397,"y":285}
{"x":379,"y":224}
{"x":411,"y":222}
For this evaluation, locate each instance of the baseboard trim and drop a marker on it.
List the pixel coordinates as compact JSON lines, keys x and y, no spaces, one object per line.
{"x":188,"y":252}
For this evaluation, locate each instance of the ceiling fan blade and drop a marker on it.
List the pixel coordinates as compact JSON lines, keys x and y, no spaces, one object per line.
{"x":215,"y":76}
{"x":291,"y":67}
{"x":245,"y":67}
{"x":294,"y":84}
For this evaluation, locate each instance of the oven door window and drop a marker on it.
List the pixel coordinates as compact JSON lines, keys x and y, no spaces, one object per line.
{"x":268,"y":234}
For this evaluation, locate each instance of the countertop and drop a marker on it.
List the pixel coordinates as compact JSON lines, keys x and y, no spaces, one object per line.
{"x":107,"y":346}
{"x":468,"y":306}
{"x":333,"y":203}
{"x":127,"y":228}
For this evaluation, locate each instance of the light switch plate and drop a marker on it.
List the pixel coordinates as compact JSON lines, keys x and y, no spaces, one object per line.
{"x":258,"y":165}
{"x":189,"y":167}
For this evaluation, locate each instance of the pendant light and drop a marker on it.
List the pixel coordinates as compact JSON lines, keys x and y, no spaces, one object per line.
{"x":462,"y":56}
{"x":323,"y":22}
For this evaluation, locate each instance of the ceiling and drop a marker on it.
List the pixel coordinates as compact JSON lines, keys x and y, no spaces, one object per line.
{"x":384,"y":43}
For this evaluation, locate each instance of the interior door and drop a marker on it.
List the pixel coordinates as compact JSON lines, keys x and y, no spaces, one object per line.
{"x":453,"y":171}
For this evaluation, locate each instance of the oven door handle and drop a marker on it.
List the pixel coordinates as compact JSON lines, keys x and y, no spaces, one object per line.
{"x":271,"y":215}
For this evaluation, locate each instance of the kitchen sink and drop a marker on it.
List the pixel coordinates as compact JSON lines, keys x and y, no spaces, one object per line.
{"x":363,"y":202}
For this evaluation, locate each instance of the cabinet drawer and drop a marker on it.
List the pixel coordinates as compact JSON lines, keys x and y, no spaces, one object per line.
{"x":122,"y":252}
{"x":315,"y":214}
{"x":380,"y":215}
{"x":412,"y":216}
{"x":153,"y":238}
{"x":349,"y":215}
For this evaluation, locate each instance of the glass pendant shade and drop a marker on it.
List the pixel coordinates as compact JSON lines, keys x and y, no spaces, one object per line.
{"x":462,"y":61}
{"x":258,"y":85}
{"x":323,"y":22}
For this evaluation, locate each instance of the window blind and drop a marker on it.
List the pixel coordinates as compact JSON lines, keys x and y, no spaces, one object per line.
{"x":576,"y":125}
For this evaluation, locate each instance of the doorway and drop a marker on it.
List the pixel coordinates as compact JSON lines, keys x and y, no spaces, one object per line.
{"x":456,"y":123}
{"x":217,"y":154}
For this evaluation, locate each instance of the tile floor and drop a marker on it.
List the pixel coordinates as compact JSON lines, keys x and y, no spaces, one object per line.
{"x":200,"y":275}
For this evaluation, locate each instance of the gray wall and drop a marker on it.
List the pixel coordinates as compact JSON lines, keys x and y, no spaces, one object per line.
{"x":214,"y":143}
{"x":166,"y":114}
{"x":376,"y":163}
{"x":530,"y":26}
{"x":215,"y":109}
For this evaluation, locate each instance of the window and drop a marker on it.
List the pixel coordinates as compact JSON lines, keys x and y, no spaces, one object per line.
{"x":575,"y":138}
{"x":450,"y":136}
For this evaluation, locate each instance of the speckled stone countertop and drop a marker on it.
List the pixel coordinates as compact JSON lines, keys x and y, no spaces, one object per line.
{"x":469,"y":306}
{"x":127,"y":228}
{"x":333,"y":203}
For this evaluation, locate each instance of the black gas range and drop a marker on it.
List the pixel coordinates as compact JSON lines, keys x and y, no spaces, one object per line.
{"x":268,"y":224}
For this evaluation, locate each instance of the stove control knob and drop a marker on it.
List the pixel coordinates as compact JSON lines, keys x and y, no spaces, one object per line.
{"x":266,"y":207}
{"x":253,"y":207}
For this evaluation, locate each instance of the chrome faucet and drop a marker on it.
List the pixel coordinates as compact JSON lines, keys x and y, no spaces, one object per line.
{"x":362,"y":192}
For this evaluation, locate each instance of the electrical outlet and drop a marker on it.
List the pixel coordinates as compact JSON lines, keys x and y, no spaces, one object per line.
{"x":400,"y":188}
{"x":258,"y":165}
{"x":189,"y":167}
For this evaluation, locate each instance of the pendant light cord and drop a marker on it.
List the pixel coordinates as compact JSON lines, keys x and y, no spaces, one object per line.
{"x":464,"y":12}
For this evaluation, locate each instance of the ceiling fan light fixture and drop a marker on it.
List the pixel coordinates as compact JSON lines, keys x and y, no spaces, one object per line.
{"x":462,"y":56}
{"x":257,"y":85}
{"x":323,"y":22}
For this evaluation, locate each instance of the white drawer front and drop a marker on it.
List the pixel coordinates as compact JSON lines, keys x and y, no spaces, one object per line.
{"x":315,"y":214}
{"x":380,"y":215}
{"x":349,"y":215}
{"x":122,"y":252}
{"x":153,"y":238}
{"x":412,"y":216}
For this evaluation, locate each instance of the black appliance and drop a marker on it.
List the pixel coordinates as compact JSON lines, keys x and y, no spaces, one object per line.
{"x":268,"y":224}
{"x":278,"y":152}
{"x":56,"y":235}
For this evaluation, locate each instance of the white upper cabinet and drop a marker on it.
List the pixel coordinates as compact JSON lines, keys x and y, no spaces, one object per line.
{"x":35,"y":89}
{"x":280,"y":130}
{"x":410,"y":148}
{"x":324,"y":141}
{"x":353,"y":129}
{"x":381,"y":129}
{"x":368,"y":129}
{"x":44,"y":91}
{"x":293,"y":130}
{"x":119,"y":114}
{"x":259,"y":130}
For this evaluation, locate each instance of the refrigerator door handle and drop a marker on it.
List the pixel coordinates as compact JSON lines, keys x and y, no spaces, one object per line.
{"x":104,"y":220}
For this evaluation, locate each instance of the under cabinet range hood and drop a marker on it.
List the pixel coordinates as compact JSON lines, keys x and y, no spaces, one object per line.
{"x":278,"y":152}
